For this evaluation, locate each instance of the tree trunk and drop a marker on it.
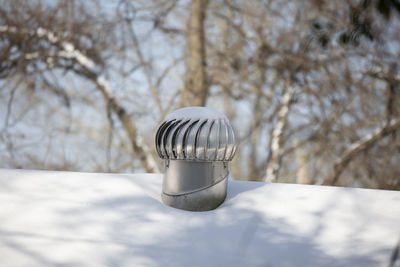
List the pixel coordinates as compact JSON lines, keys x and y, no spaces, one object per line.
{"x":276,"y":144}
{"x":196,"y":88}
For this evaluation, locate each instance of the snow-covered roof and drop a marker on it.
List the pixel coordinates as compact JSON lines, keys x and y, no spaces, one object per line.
{"x":86,"y":219}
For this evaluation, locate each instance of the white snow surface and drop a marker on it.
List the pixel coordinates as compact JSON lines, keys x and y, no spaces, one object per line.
{"x":196,"y":113}
{"x":86,"y":219}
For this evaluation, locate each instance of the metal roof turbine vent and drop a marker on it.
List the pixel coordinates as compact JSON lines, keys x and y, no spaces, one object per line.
{"x":196,"y":144}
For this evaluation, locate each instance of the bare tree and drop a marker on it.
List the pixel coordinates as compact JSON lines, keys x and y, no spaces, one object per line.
{"x":81,"y":65}
{"x":311,"y":88}
{"x":360,"y":146}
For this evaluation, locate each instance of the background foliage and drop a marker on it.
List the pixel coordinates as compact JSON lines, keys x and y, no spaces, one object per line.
{"x":312,"y":87}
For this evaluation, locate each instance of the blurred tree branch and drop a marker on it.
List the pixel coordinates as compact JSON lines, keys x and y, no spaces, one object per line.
{"x":88,"y":69}
{"x":147,"y":58}
{"x":360,"y":146}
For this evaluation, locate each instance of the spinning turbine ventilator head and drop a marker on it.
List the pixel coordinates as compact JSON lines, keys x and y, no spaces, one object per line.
{"x":196,"y":144}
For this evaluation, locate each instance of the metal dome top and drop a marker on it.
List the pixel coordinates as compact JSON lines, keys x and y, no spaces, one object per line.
{"x":196,"y":112}
{"x":197,"y":134}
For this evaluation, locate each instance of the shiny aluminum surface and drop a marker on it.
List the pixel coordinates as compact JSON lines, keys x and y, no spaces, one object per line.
{"x":196,"y":139}
{"x":183,"y":177}
{"x":206,"y":199}
{"x":196,"y":144}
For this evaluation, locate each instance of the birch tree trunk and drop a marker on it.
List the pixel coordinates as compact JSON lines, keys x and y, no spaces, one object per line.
{"x":276,"y":143}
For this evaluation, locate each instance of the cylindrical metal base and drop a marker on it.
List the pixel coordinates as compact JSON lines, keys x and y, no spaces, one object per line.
{"x":195,"y":185}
